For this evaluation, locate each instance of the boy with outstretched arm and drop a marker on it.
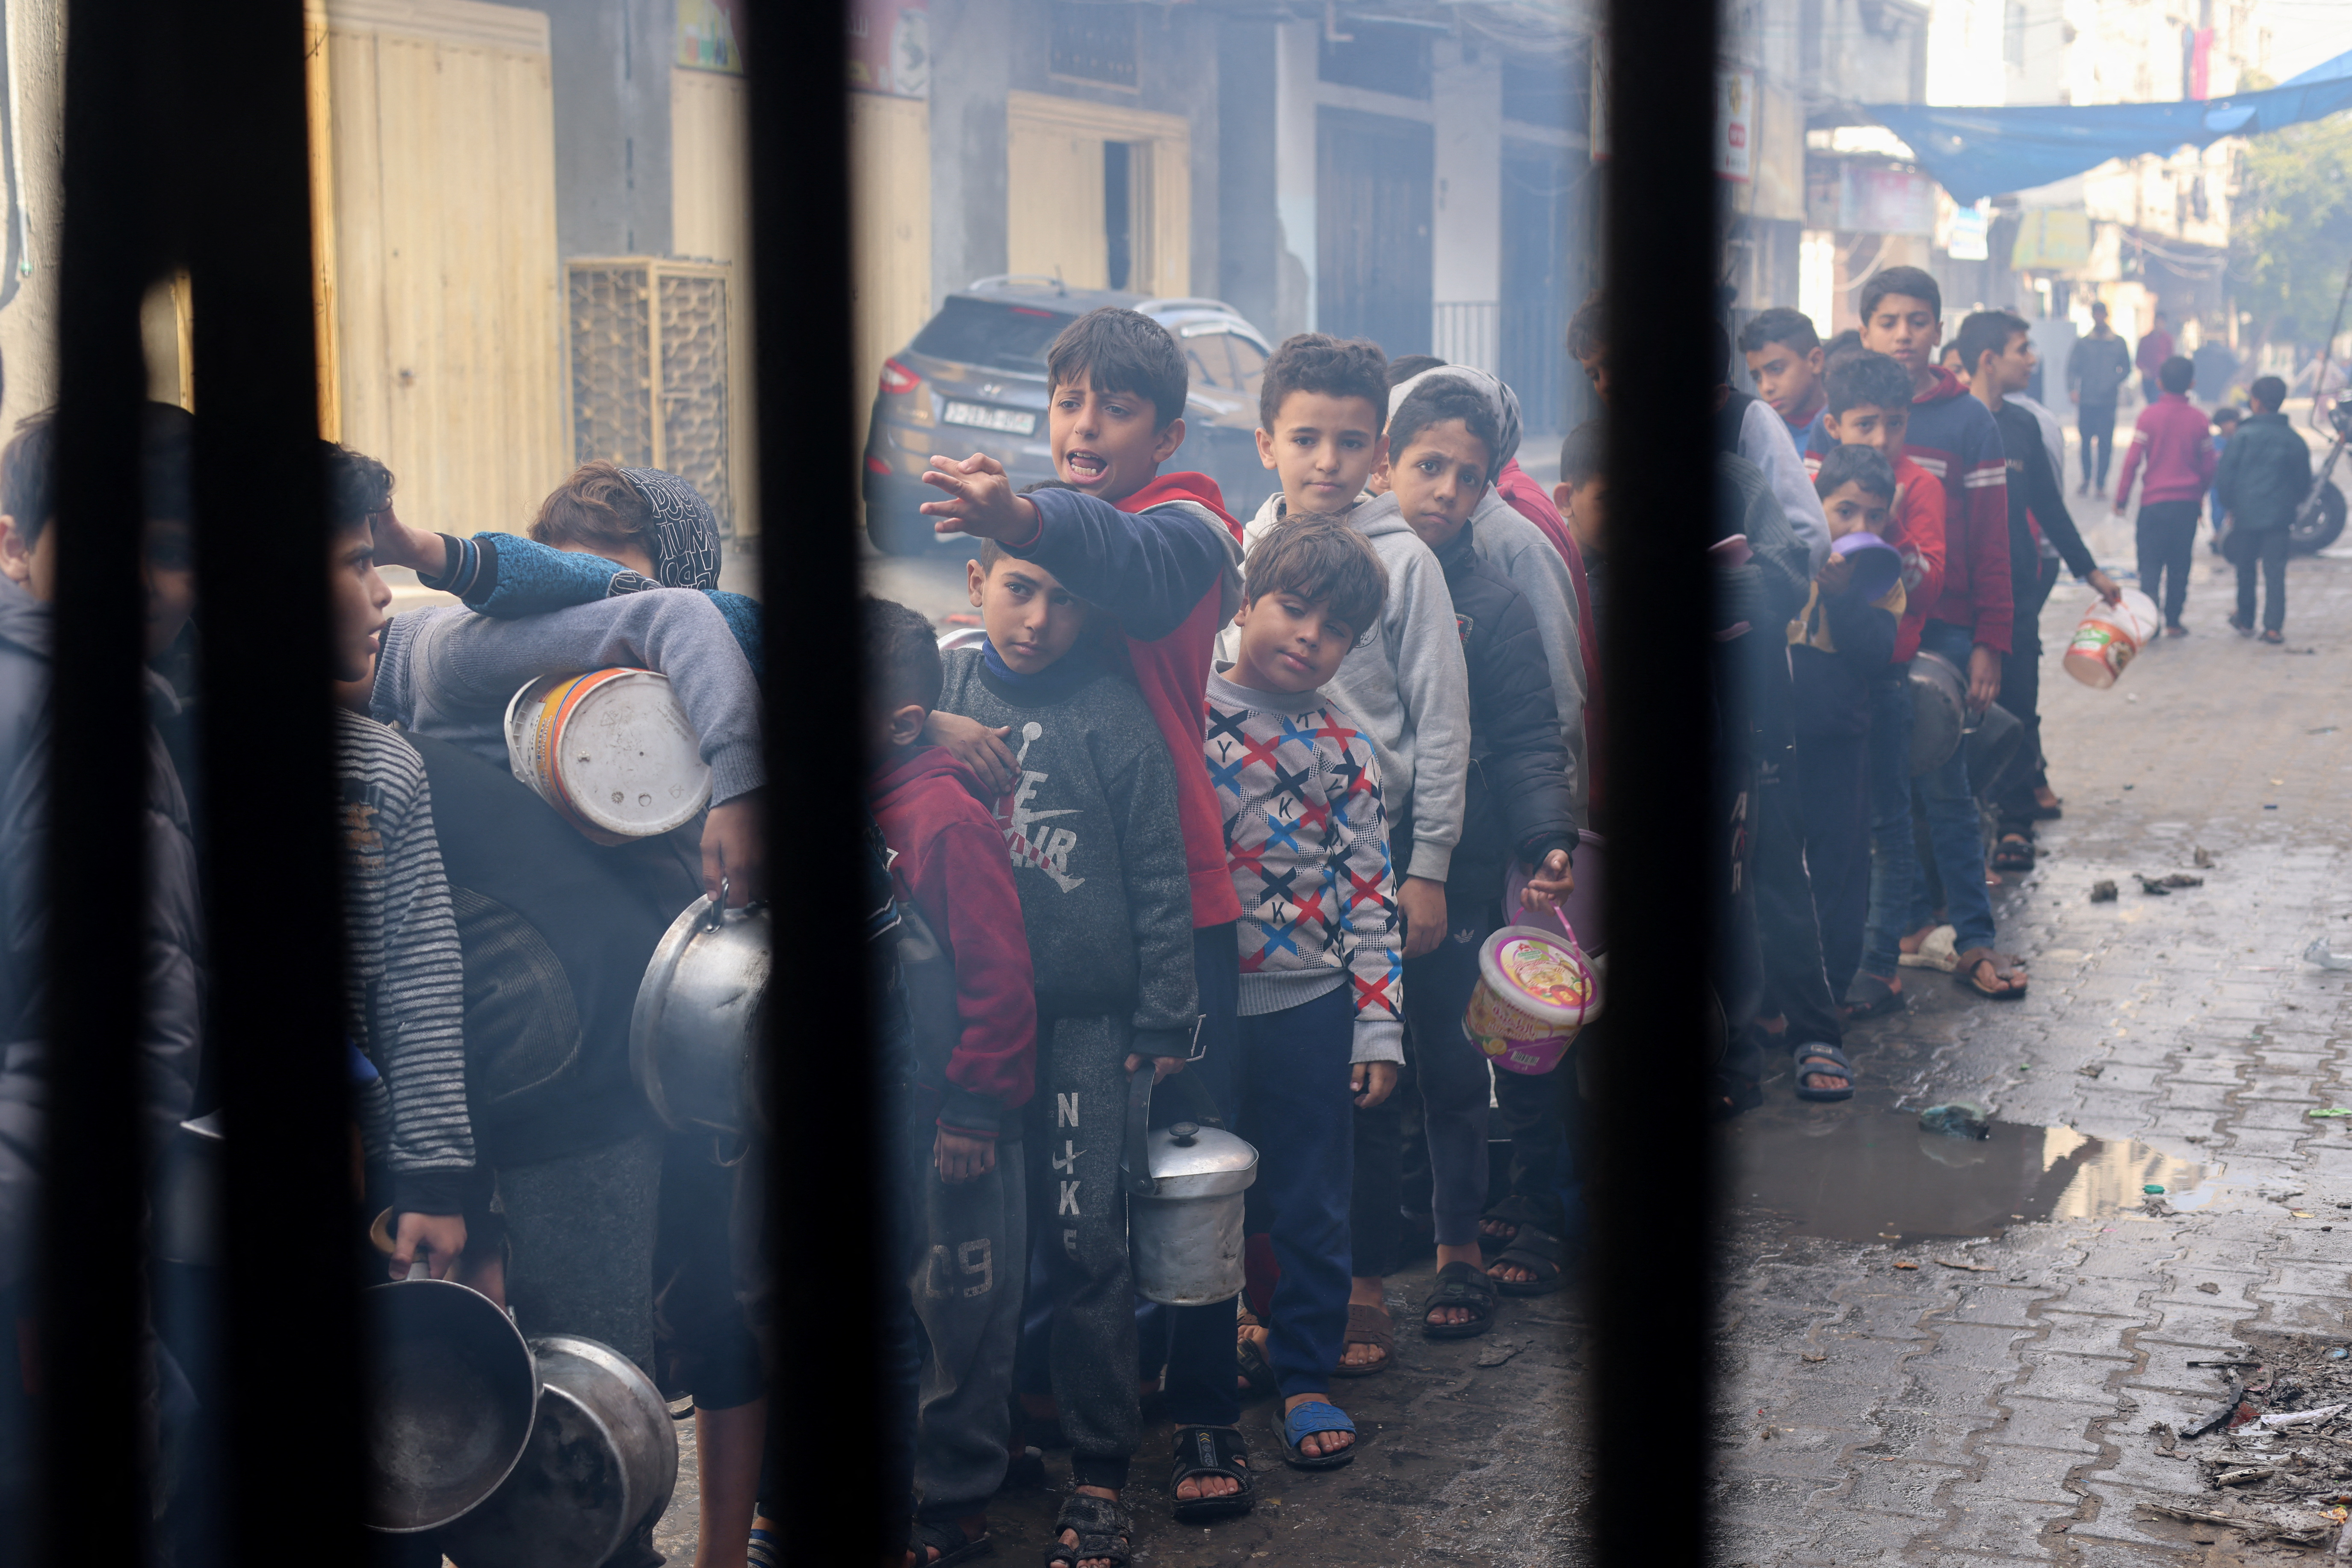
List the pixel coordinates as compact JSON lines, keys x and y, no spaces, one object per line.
{"x":1868,"y":404}
{"x":1322,"y":969}
{"x":1160,"y":547}
{"x":1517,"y":807}
{"x":1953,"y":436}
{"x":975,"y":1063}
{"x":1098,"y":855}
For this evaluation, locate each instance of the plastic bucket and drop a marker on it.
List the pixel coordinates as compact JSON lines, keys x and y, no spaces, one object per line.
{"x":1533,"y":993}
{"x":611,"y":750}
{"x":2110,"y":636}
{"x":1580,"y":913}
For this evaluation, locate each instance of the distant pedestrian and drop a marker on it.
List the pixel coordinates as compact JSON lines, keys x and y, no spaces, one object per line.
{"x":2154,"y":350}
{"x":2225,"y":424}
{"x":2173,"y":438}
{"x":2095,"y":371}
{"x":2263,"y":479}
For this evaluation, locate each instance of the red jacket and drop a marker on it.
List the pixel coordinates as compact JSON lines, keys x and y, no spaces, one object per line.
{"x":2178,"y":443}
{"x":951,"y":866}
{"x":1172,"y":672}
{"x":1527,"y":498}
{"x":1917,"y":531}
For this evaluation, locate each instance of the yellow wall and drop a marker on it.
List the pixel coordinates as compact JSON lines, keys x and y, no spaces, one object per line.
{"x":1053,"y":192}
{"x":890,"y":232}
{"x":449,"y":325}
{"x":710,"y":219}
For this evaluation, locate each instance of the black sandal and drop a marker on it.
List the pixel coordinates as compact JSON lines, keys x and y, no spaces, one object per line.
{"x":1538,"y":1251}
{"x":1869,"y":996}
{"x":1460,"y":1285}
{"x":947,"y":1537}
{"x":1249,"y":1361}
{"x":1103,"y":1529}
{"x":2014,"y":853}
{"x":1516,"y":1210}
{"x":1203,"y":1451}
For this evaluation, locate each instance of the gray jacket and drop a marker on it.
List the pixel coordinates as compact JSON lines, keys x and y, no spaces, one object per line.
{"x":1405,"y":683}
{"x":170,"y":963}
{"x":1098,"y":854}
{"x":1539,"y":572}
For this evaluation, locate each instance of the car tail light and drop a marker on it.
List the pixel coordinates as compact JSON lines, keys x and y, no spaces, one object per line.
{"x":877,"y":465}
{"x":896,"y":379}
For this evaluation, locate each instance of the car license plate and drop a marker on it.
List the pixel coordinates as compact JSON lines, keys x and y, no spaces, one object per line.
{"x":1012,"y":421}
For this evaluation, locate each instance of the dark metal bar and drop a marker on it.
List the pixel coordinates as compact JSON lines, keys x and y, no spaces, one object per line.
{"x":91,"y":1320}
{"x":273,"y":900}
{"x":825,"y":1191}
{"x":1652,"y":1233}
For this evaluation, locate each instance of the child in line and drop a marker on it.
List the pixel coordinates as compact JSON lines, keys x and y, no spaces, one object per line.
{"x":1784,"y":354}
{"x":1301,"y":791}
{"x":1838,"y":649}
{"x":1518,"y":807}
{"x":976,"y":1066}
{"x":2263,"y":479}
{"x":1117,"y":531}
{"x":1098,"y":855}
{"x":1869,"y":404}
{"x":2225,"y":424}
{"x":2174,"y":440}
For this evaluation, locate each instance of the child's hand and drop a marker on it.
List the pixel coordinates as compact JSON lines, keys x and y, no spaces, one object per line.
{"x":1422,"y":902}
{"x":2109,"y":589}
{"x":1162,"y":1068}
{"x":1836,"y":574}
{"x":1551,"y":882}
{"x":1371,"y":1082}
{"x":961,"y":1159}
{"x":441,"y":1237}
{"x":397,"y":544}
{"x":984,"y":503}
{"x":735,"y":849}
{"x":977,"y":747}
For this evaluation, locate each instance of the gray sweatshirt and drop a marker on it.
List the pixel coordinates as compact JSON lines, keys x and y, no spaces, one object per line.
{"x":1407,"y":686}
{"x":1098,"y":853}
{"x":1539,"y":572}
{"x":450,"y":673}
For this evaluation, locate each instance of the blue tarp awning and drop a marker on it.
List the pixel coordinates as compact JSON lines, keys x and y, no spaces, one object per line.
{"x":1975,"y":152}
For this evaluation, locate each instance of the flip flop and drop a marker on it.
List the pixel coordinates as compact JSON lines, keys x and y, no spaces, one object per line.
{"x":2003,"y":968}
{"x":1806,"y":1058}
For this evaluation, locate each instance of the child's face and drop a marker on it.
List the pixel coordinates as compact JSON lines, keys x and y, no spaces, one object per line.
{"x":1868,"y":425}
{"x":1324,"y":449}
{"x":1030,"y":617}
{"x":1288,"y":643}
{"x":1108,"y":444}
{"x":32,"y":567}
{"x":1785,"y":378}
{"x":356,"y":601}
{"x":1596,"y":371}
{"x":167,"y":570}
{"x":1438,"y":480}
{"x":2011,"y":370}
{"x":1584,"y":506}
{"x":1904,"y":330}
{"x":1850,"y":507}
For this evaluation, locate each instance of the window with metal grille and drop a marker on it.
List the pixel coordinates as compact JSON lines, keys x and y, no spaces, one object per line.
{"x":649,"y":371}
{"x":1092,"y":42}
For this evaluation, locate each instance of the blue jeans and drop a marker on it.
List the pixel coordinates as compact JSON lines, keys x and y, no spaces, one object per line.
{"x":1285,"y":1086}
{"x":1955,"y":825}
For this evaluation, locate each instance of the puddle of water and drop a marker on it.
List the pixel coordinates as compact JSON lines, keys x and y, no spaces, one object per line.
{"x":1874,"y":1177}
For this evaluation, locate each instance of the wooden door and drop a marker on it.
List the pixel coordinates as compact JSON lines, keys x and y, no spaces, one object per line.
{"x":1372,"y":179}
{"x":1054,"y":203}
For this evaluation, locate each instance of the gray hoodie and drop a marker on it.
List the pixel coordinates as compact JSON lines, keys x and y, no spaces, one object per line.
{"x":1539,"y":572}
{"x":1406,"y":685}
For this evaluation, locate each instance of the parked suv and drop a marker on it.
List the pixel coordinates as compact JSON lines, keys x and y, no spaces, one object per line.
{"x":974,"y":381}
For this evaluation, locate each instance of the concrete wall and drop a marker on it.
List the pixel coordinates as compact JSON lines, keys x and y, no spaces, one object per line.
{"x":1466,"y":259}
{"x":984,"y":49}
{"x":1249,"y":272}
{"x":611,"y":66}
{"x":28,"y":321}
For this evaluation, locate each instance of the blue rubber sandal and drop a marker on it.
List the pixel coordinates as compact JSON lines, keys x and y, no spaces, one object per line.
{"x":1304,"y":1422}
{"x":1809,"y":1059}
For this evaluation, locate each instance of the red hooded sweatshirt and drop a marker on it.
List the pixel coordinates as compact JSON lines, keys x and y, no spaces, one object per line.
{"x":950,"y":865}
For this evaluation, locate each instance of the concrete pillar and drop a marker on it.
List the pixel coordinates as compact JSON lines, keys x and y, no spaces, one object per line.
{"x":1295,"y":163}
{"x":1466,"y":241}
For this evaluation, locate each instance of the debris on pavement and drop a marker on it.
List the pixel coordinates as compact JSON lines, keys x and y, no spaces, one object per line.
{"x":2327,"y":1112}
{"x":1497,"y":1351}
{"x":1971,"y":1268}
{"x":2103,"y":893}
{"x":2319,"y":952}
{"x":2202,"y":858}
{"x":1959,"y":1119}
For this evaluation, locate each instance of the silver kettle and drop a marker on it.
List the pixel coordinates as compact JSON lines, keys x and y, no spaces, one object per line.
{"x":1184,"y":1187}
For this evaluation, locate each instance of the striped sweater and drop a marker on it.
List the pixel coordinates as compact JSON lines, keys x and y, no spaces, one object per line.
{"x":405,"y":975}
{"x":1307,"y":844}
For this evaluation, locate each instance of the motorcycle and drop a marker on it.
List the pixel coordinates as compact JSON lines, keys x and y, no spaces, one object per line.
{"x":2320,"y":519}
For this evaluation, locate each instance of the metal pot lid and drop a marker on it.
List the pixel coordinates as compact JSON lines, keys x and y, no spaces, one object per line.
{"x":1190,"y":1160}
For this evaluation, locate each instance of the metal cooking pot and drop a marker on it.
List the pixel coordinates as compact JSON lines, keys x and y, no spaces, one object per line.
{"x":694,"y":1039}
{"x":1940,"y":712}
{"x":451,"y":1390}
{"x":1992,"y":740}
{"x":602,"y":1463}
{"x":1185,"y":1207}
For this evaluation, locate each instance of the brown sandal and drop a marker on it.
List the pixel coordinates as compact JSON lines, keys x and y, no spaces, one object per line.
{"x":2003,"y":969}
{"x":1368,"y":1326}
